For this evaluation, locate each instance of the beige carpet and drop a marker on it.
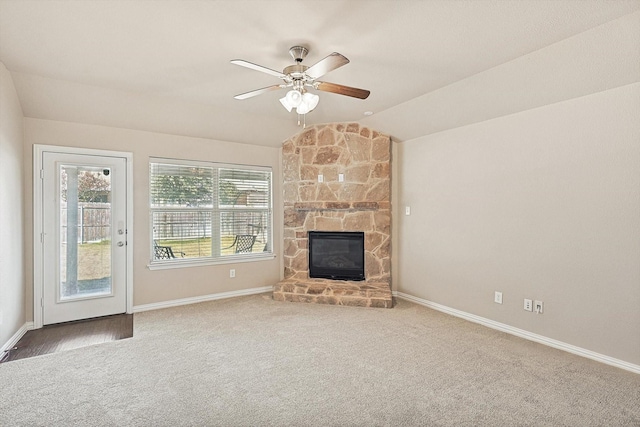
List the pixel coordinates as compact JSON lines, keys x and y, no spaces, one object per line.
{"x":252,"y":361}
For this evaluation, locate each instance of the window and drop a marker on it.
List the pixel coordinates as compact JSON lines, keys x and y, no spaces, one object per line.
{"x":208,"y":212}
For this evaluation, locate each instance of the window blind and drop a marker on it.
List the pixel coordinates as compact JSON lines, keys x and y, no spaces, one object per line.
{"x":199,"y":211}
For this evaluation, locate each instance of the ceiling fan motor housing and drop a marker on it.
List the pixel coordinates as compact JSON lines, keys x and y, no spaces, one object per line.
{"x":296,"y":71}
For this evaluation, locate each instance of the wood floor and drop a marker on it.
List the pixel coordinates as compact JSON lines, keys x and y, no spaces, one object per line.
{"x":70,"y":335}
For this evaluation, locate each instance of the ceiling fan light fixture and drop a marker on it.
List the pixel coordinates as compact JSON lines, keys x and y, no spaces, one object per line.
{"x":303,"y":108}
{"x":311,"y":100}
{"x":286,"y":104}
{"x":302,"y":102}
{"x":294,"y":97}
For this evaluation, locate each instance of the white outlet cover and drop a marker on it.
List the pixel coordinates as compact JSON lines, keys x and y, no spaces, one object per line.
{"x":340,"y":177}
{"x":320,"y":178}
{"x":538,"y":306}
{"x":407,"y":210}
{"x":528,"y":305}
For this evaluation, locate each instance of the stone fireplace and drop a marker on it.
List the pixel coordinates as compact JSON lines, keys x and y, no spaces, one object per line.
{"x":337,"y":177}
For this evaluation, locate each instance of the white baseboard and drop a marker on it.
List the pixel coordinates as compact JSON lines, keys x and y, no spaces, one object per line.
{"x":16,"y":337}
{"x":203,"y":298}
{"x":523,"y":334}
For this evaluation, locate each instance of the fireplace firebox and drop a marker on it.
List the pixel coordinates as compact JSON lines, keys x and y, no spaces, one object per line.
{"x":336,"y":255}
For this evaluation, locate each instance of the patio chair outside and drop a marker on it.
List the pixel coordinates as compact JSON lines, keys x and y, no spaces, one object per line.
{"x":164,"y":252}
{"x":242,"y":243}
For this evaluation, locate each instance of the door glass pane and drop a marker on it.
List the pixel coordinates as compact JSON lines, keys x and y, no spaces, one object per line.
{"x":85,"y":232}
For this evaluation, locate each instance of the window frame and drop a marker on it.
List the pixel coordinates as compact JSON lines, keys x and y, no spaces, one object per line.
{"x":216,"y":212}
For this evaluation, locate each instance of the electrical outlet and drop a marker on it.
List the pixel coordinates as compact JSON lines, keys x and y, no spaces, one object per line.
{"x":528,"y":304}
{"x":232,"y":272}
{"x":538,"y":305}
{"x":340,"y":177}
{"x":407,"y":210}
{"x":497,"y":297}
{"x":320,"y":178}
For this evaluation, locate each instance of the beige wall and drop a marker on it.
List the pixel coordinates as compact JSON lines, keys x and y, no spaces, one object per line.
{"x":160,"y":285}
{"x":542,"y":204}
{"x":12,"y":303}
{"x":530,"y":187}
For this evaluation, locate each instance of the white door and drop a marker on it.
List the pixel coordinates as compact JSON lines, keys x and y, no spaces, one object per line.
{"x":84,"y":236}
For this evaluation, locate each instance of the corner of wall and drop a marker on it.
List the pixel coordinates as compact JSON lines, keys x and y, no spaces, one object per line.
{"x":12,"y":270}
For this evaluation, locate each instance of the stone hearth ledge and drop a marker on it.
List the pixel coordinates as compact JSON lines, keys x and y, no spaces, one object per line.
{"x":335,"y":292}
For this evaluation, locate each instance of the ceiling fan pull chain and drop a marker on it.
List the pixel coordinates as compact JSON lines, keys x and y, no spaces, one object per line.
{"x":304,"y":120}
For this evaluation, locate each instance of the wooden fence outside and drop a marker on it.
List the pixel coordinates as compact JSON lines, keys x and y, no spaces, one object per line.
{"x":94,"y":222}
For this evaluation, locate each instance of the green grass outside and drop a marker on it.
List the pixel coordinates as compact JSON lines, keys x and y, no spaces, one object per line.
{"x":202,"y":247}
{"x":94,"y":259}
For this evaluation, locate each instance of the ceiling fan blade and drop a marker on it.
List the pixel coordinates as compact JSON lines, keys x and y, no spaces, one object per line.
{"x":258,"y":92}
{"x":257,"y":67}
{"x":342,"y":90}
{"x":330,"y":63}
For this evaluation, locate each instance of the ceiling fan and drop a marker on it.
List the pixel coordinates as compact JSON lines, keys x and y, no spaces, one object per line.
{"x":299,"y":77}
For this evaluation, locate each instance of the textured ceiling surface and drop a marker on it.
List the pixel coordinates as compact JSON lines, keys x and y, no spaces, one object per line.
{"x":163,"y":66}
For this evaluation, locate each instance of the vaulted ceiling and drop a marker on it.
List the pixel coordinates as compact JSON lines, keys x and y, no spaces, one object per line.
{"x":163,"y":66}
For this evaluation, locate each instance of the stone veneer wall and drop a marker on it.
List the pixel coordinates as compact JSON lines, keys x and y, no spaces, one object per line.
{"x":362,"y":202}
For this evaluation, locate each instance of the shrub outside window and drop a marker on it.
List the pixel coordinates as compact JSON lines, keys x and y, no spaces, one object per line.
{"x":208,"y":212}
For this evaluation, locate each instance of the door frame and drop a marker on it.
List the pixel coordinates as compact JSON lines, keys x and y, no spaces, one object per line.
{"x":38,"y":221}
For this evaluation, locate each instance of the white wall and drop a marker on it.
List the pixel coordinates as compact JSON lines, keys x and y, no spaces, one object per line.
{"x":12,"y":298}
{"x":160,"y":285}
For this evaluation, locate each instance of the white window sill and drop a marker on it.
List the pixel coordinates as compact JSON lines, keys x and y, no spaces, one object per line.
{"x":200,"y":262}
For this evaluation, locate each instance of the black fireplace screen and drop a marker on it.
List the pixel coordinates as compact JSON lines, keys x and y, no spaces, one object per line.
{"x":336,"y":255}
